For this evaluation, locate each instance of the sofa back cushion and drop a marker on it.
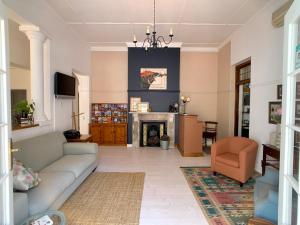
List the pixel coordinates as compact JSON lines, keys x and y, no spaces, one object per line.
{"x":39,"y":152}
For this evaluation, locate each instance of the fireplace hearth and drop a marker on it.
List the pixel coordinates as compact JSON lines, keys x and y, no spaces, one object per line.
{"x":150,"y":133}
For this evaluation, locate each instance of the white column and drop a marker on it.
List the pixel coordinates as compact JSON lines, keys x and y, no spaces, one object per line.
{"x":36,"y":38}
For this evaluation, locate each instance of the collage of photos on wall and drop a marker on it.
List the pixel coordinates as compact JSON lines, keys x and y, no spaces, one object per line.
{"x":109,"y":113}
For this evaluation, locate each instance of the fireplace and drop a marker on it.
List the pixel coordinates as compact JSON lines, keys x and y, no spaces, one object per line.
{"x":139,"y":117}
{"x":151,"y":132}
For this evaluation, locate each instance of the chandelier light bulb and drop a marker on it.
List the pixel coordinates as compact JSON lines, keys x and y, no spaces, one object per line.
{"x":148,"y":30}
{"x":171,"y":32}
{"x":134,"y":39}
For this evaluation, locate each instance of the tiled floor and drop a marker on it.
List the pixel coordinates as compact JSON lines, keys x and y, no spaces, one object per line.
{"x":167,"y":198}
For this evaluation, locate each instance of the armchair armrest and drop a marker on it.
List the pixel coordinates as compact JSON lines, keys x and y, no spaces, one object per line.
{"x":247,"y":158}
{"x":80,"y":148}
{"x":218,"y":148}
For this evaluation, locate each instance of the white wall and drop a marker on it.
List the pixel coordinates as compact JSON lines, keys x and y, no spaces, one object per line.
{"x":20,"y":79}
{"x":109,"y":77}
{"x":19,"y":47}
{"x":68,"y":53}
{"x":264,"y":44}
{"x":226,"y":93}
{"x":198,"y":80}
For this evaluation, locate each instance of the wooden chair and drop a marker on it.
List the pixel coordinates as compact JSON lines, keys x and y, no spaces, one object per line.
{"x":210,"y":131}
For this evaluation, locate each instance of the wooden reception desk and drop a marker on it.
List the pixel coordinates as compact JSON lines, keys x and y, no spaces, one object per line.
{"x":190,"y":136}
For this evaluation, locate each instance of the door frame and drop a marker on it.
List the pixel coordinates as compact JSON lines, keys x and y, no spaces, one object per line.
{"x":6,"y":186}
{"x":238,"y":82}
{"x":287,"y":182}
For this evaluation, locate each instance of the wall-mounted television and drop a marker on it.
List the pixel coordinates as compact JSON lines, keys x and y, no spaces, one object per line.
{"x":64,"y":85}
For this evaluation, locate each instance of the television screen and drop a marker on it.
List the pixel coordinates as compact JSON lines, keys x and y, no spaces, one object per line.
{"x":64,"y":85}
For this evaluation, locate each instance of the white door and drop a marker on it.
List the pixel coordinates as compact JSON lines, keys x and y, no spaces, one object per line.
{"x":289,"y":210}
{"x":5,"y":128}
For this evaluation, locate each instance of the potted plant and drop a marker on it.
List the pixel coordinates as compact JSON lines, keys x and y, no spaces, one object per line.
{"x":164,"y":142}
{"x":24,"y":110}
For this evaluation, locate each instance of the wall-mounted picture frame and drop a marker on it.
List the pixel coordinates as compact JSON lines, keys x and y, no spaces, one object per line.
{"x":153,"y":78}
{"x":275,"y":111}
{"x":279,"y":91}
{"x":297,"y":110}
{"x":134,"y":101}
{"x":297,"y":90}
{"x":143,"y":107}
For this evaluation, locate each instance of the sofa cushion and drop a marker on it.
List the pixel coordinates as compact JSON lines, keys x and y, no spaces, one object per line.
{"x":53,"y":184}
{"x":76,"y":164}
{"x":24,"y":178}
{"x":229,"y":159}
{"x":39,"y":152}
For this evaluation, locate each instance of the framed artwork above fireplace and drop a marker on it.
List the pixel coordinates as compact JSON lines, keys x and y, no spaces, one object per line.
{"x":153,"y":78}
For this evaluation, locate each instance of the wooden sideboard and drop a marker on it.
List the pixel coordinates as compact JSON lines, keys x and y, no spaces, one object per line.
{"x":109,"y":133}
{"x":190,"y":136}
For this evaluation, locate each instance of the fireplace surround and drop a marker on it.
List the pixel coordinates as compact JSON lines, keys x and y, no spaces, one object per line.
{"x":139,"y":117}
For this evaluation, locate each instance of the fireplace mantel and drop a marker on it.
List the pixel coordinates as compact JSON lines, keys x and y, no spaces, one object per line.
{"x":137,"y":117}
{"x":153,"y":113}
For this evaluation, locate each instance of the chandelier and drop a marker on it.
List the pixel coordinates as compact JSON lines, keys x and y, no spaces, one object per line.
{"x":153,"y":40}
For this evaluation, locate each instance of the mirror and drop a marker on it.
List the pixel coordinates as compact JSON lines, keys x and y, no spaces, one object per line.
{"x":19,"y":70}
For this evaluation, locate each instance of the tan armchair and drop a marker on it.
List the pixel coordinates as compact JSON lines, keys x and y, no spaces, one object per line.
{"x":234,"y":157}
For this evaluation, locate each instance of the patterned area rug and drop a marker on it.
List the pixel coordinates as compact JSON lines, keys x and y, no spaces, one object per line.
{"x":106,"y":199}
{"x":221,"y":199}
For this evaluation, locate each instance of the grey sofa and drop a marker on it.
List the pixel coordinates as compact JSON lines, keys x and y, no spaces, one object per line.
{"x":62,"y":167}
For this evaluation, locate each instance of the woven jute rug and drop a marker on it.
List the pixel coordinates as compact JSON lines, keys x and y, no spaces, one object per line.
{"x":106,"y":199}
{"x":221,"y":199}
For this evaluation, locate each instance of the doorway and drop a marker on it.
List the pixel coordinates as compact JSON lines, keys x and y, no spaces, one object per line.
{"x":242,"y":99}
{"x":81,"y":103}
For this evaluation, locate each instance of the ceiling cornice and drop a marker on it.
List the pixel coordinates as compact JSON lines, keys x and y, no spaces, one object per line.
{"x":109,"y":49}
{"x":199,"y":49}
{"x":150,"y":23}
{"x":125,"y":49}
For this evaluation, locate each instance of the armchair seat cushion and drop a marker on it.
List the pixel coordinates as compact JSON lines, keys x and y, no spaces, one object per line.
{"x":75,"y":164}
{"x":229,"y":159}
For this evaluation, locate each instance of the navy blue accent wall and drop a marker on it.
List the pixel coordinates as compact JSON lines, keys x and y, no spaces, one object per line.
{"x":159,"y":100}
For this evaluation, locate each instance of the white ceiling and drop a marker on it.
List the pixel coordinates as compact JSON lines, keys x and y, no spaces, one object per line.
{"x":196,"y":23}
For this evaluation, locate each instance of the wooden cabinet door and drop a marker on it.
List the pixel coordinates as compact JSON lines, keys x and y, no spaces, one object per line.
{"x":96,"y":135}
{"x":121,"y":134}
{"x":107,"y":132}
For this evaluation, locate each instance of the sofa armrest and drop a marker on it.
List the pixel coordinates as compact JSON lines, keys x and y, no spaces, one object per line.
{"x":80,"y":148}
